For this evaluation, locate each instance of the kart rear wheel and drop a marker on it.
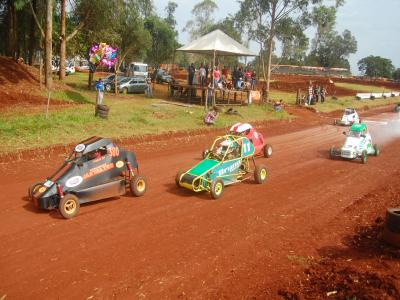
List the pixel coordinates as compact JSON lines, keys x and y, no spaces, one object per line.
{"x":33,"y":188}
{"x":260,"y":174}
{"x":364,"y":157}
{"x":138,"y":185}
{"x":377,"y":150}
{"x":69,"y":206}
{"x":267,"y":150}
{"x":217,"y":188}
{"x":178,"y":178}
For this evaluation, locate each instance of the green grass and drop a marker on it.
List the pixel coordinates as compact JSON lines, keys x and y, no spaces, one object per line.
{"x":129,"y":116}
{"x":363,"y":88}
{"x":350,"y":101}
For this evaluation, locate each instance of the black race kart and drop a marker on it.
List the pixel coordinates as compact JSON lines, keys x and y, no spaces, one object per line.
{"x":96,"y":169}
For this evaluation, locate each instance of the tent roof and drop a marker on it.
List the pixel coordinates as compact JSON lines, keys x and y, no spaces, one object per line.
{"x":219,"y":42}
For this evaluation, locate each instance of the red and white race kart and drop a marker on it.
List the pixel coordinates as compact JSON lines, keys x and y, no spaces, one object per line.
{"x":245,"y":129}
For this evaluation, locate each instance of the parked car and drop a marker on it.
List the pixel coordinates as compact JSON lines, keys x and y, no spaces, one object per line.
{"x":69,"y":69}
{"x":109,"y":82}
{"x":161,"y":76}
{"x":132,"y":85}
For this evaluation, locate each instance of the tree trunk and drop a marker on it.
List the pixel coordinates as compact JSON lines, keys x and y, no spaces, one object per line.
{"x":12,"y":32}
{"x":90,"y":79}
{"x":62,"y":41}
{"x":48,"y":45}
{"x":270,"y":45}
{"x":32,"y":37}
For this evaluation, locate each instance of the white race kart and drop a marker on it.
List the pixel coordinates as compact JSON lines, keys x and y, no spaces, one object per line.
{"x":358,"y":145}
{"x":350,"y":116}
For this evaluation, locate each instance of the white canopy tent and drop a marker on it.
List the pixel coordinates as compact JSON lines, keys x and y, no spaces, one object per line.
{"x":216,"y":43}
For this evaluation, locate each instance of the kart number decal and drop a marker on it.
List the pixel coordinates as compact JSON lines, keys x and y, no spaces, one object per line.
{"x":80,"y":147}
{"x":246,"y":148}
{"x":98,"y":170}
{"x":74,"y":181}
{"x":119,"y":164}
{"x":48,"y":183}
{"x":113,"y":151}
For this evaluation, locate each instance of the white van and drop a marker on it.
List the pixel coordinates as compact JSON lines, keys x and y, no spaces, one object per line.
{"x":137,"y":69}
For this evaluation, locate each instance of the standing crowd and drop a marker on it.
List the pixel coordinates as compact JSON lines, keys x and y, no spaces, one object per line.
{"x":316,"y":93}
{"x":238,"y":79}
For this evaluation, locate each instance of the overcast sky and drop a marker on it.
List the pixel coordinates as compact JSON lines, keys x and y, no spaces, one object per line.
{"x":375,"y":24}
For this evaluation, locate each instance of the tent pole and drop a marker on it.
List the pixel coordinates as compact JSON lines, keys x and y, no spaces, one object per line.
{"x":213,"y":79}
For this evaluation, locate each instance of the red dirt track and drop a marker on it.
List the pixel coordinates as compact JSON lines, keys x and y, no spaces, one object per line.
{"x":265,"y":241}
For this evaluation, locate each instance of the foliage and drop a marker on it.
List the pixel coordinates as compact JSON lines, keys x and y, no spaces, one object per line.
{"x":202,"y":18}
{"x":170,"y":10}
{"x":396,"y":74}
{"x":376,"y":66}
{"x":329,"y":48}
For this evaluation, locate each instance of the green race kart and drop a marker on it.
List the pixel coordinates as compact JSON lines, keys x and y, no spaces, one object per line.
{"x":230,"y":160}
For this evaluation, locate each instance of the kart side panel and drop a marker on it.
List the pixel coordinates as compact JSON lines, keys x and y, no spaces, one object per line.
{"x":227,"y":171}
{"x":102,"y":191}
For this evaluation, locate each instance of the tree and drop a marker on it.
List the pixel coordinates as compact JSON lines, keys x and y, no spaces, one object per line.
{"x":163,"y":40}
{"x":376,"y":66}
{"x":262,"y":16}
{"x":48,"y":44}
{"x":170,"y":9}
{"x":396,"y":74}
{"x":329,"y":48}
{"x":203,"y":18}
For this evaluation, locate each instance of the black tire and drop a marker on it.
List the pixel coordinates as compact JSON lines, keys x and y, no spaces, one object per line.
{"x":178,"y":178}
{"x":393,"y":219}
{"x":260,"y":174}
{"x":332,"y":153}
{"x":377,"y":150}
{"x":364,"y":156}
{"x":205,"y":153}
{"x":102,"y":107}
{"x":33,"y":188}
{"x":217,"y":188}
{"x":267,"y":150}
{"x":124,"y":91}
{"x":69,"y":206}
{"x":138,"y":185}
{"x":391,"y":238}
{"x":103,"y":115}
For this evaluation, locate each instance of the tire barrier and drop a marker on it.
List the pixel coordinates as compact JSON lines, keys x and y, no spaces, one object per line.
{"x":391,"y":233}
{"x":102,"y":111}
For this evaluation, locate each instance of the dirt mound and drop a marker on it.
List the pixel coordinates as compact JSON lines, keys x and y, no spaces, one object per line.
{"x":364,"y":267}
{"x":20,"y":85}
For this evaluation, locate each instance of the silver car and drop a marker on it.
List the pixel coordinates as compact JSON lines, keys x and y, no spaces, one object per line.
{"x":132,"y":85}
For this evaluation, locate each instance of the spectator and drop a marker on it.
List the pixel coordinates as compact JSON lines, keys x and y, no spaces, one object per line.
{"x":310,"y":94}
{"x":100,"y":91}
{"x":203,"y":75}
{"x":225,"y":73}
{"x":316,"y":93}
{"x":216,"y":76}
{"x":149,"y":89}
{"x":211,"y":116}
{"x":235,"y":77}
{"x":191,"y":72}
{"x":247,"y":76}
{"x":323,"y":94}
{"x":207,"y":71}
{"x":253,"y":80}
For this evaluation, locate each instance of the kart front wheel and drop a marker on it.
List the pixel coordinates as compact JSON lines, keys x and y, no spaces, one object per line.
{"x":217,"y":188}
{"x":260,"y":174}
{"x":178,"y":178}
{"x":377,"y":150}
{"x":69,"y":206}
{"x":364,"y":157}
{"x":33,"y":188}
{"x":138,"y":185}
{"x":332,"y":153}
{"x":267,"y":150}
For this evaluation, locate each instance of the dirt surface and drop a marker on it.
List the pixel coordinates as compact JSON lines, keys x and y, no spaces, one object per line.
{"x":313,"y":228}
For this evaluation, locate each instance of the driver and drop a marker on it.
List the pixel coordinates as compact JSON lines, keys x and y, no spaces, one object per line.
{"x":230,"y":148}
